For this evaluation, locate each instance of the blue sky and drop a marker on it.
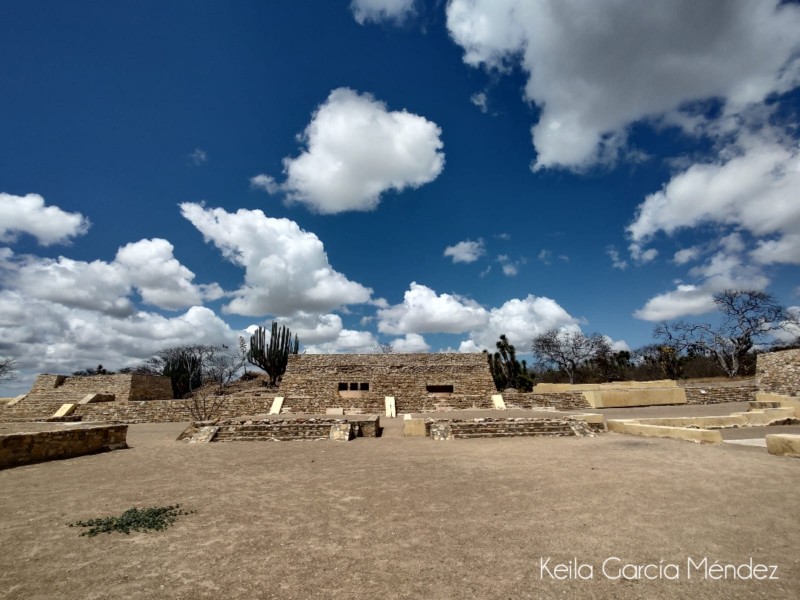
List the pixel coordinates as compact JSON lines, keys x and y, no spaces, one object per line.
{"x":426,"y":174}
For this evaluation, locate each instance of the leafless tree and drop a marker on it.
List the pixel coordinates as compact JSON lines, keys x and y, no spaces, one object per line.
{"x":568,"y":350}
{"x":748,"y":317}
{"x":8,"y":369}
{"x":204,"y":404}
{"x":222,"y":365}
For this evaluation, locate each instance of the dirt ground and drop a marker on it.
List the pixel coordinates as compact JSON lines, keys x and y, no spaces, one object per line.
{"x":404,"y":518}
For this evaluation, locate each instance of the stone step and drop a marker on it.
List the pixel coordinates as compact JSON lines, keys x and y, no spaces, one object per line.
{"x":511,"y":430}
{"x":265,"y":438}
{"x":290,"y":427}
{"x":509,"y":427}
{"x":277,"y":432}
{"x":494,"y":434}
{"x":761,"y":404}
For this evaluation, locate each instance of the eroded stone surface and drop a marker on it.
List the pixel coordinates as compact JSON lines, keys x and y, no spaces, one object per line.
{"x":341,"y":432}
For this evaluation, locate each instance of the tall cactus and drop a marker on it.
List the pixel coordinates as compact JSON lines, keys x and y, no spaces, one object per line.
{"x":507,"y":371}
{"x":272,"y":357}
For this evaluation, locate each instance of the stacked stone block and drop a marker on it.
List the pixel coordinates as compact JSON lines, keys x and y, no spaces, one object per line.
{"x":515,"y":427}
{"x":311,"y":383}
{"x":719,"y":392}
{"x":26,"y":448}
{"x":555,"y":400}
{"x":295,"y":429}
{"x":779,"y":372}
{"x":49,"y":392}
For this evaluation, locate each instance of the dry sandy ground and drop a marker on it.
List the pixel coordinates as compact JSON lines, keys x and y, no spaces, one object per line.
{"x":402,"y":518}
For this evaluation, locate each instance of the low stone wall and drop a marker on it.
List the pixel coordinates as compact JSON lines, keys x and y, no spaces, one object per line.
{"x":557,"y":400}
{"x":445,"y":429}
{"x":168,"y":411}
{"x":719,"y":392}
{"x":277,"y":428}
{"x":363,"y":426}
{"x":779,"y":372}
{"x":25,"y":448}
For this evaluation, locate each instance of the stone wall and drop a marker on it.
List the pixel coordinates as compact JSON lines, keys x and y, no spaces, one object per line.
{"x":282,"y":428}
{"x":779,"y":372}
{"x":49,"y":392}
{"x":24,"y":448}
{"x":168,"y":411}
{"x":312,"y":381}
{"x":557,"y":400}
{"x":720,"y":391}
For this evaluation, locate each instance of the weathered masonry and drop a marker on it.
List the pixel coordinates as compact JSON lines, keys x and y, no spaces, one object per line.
{"x":49,"y":392}
{"x":779,"y":372}
{"x":360,"y":382}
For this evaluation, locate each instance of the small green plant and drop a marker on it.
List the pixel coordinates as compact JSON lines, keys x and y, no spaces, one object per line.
{"x":133,"y":519}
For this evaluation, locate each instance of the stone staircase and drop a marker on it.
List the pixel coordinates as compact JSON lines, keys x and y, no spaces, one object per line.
{"x":506,"y":428}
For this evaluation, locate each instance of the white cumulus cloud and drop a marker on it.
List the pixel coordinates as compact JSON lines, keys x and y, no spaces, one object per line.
{"x":348,"y":341}
{"x":51,"y":337}
{"x":685,"y":255}
{"x":425,"y":311}
{"x":467,"y":251}
{"x":355,"y":150}
{"x":48,"y":224}
{"x":286,"y":268}
{"x":520,"y":320}
{"x":410,"y":343}
{"x":381,"y":10}
{"x":750,"y":188}
{"x":726,"y":269}
{"x":313,"y":328}
{"x":596,"y":66}
{"x":146,"y":266}
{"x":756,"y":189}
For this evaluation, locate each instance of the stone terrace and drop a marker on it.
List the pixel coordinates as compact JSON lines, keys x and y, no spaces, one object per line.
{"x":49,"y":392}
{"x":418,"y":382}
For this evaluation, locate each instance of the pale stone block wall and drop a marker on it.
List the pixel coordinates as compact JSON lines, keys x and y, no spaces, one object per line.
{"x":50,"y":392}
{"x":24,"y":448}
{"x":312,"y":381}
{"x":779,"y":372}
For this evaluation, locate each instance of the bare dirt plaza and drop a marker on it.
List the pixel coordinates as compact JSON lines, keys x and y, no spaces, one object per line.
{"x":398,"y":517}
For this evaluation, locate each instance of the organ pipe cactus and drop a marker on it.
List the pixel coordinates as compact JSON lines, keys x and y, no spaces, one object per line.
{"x":274,"y":356}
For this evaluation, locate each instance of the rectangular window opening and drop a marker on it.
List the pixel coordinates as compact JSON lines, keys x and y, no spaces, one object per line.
{"x":342,"y":387}
{"x":354,"y":387}
{"x":364,"y":387}
{"x":439,"y":389}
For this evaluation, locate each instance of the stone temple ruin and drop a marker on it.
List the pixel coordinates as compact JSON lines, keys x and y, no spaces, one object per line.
{"x":361,"y":382}
{"x":323,"y":395}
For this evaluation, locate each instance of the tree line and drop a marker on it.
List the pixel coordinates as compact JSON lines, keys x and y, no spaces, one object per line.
{"x":748,"y":320}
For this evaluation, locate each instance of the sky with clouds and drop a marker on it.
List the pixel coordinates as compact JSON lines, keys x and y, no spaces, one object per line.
{"x":425,"y":174}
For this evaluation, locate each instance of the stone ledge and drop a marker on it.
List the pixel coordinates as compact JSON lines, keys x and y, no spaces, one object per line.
{"x":18,"y":449}
{"x":632,"y":427}
{"x":783,"y":444}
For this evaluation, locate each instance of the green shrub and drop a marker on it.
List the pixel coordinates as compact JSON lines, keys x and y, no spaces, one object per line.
{"x":133,"y":519}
